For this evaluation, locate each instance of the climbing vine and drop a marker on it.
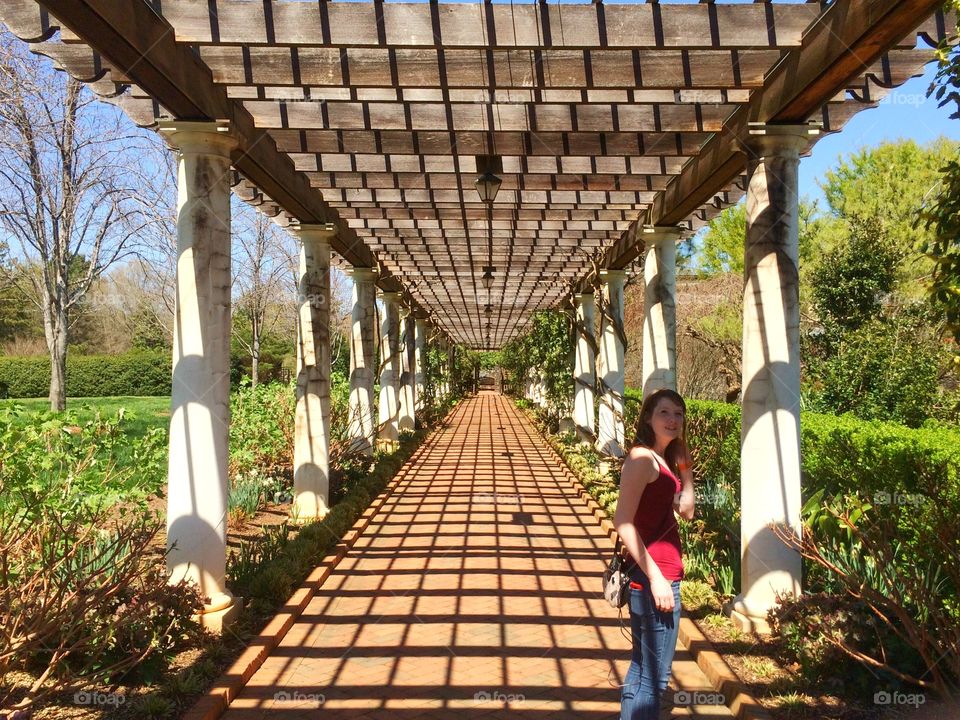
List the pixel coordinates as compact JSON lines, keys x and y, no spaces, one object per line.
{"x":544,"y":353}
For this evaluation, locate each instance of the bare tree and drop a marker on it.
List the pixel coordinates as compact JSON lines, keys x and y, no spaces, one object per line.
{"x":76,"y":194}
{"x":261,"y":251}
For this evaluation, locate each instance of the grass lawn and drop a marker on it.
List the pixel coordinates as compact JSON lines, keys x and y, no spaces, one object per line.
{"x":141,"y":413}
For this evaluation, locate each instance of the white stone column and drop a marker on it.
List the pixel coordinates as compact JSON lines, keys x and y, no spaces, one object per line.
{"x":311,"y":444}
{"x":610,"y":365}
{"x":407,"y":419}
{"x":197,"y":479}
{"x":451,"y":367}
{"x":585,"y":370}
{"x":660,"y":308}
{"x":770,"y":434}
{"x":362,"y":360}
{"x":420,"y":363}
{"x":390,"y":369}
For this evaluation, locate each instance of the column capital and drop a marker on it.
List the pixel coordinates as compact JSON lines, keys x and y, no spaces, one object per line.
{"x":197,"y":136}
{"x":766,"y":139}
{"x":362,"y":274}
{"x":390,"y":297}
{"x":655,"y":234}
{"x":323,"y":232}
{"x":609,"y":275}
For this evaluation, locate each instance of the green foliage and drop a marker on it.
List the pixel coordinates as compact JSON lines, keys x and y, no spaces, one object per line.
{"x":871,"y":357}
{"x":850,"y":281}
{"x":261,"y":429}
{"x":888,"y":369}
{"x":55,"y":460}
{"x":810,"y":626}
{"x":78,"y":570}
{"x":546,"y":351}
{"x":722,"y":246}
{"x":134,"y":373}
{"x":888,"y":183}
{"x":941,"y":214}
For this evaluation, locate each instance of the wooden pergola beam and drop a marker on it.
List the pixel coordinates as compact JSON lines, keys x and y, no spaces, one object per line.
{"x":847,"y":38}
{"x":140,"y":44}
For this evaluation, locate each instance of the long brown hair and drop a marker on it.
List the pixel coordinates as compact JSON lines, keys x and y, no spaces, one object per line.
{"x":677,"y":449}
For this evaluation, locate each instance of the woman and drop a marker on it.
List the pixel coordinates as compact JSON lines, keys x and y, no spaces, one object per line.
{"x":655,"y":481}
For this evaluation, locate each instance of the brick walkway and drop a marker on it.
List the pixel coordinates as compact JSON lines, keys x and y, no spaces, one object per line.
{"x":473,"y":593}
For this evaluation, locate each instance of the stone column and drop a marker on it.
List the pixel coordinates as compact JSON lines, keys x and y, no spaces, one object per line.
{"x":770,"y":435}
{"x":610,"y":365}
{"x":407,"y":419}
{"x":585,"y":370}
{"x":660,"y":309}
{"x":420,"y":363}
{"x":197,"y":479}
{"x":390,"y":369}
{"x":362,"y":358}
{"x":311,"y":444}
{"x":451,"y":367}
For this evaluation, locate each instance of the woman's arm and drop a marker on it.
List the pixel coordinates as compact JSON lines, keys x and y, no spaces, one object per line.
{"x":639,"y":470}
{"x":684,"y":503}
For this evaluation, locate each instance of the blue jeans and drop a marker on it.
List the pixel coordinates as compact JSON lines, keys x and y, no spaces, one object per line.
{"x":654,"y":642}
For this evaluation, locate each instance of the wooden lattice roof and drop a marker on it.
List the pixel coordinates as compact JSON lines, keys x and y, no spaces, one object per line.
{"x":371,"y":115}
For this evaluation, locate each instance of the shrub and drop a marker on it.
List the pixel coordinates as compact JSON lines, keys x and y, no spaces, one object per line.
{"x":57,"y":462}
{"x":134,"y":373}
{"x":83,"y":599}
{"x":261,"y":428}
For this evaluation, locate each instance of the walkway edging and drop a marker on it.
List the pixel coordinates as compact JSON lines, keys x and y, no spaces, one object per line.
{"x":721,"y":676}
{"x":212,"y":704}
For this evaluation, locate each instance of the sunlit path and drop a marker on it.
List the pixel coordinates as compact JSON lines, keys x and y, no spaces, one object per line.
{"x":473,"y":593}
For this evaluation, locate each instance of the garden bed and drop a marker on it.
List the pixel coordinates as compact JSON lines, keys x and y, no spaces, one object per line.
{"x":766,"y":665}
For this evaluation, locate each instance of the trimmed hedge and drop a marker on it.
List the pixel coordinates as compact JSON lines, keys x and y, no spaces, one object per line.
{"x":135,"y":373}
{"x":838,"y":453}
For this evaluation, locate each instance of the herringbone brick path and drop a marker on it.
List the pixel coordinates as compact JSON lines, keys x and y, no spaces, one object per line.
{"x":473,"y":593}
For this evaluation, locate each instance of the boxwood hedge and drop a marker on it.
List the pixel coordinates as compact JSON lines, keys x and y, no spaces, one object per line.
{"x":135,"y":373}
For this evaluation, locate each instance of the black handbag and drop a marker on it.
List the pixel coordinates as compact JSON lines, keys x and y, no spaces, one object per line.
{"x":616,"y":582}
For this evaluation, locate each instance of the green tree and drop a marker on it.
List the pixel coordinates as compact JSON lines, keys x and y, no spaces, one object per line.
{"x":721,"y":248}
{"x":941,"y":214}
{"x":849,"y":282}
{"x":886,"y":369}
{"x":891,"y":183}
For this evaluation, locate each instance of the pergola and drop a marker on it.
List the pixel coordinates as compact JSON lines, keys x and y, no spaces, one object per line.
{"x":615,"y":129}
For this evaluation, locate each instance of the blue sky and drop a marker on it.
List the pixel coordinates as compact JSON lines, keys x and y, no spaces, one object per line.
{"x":906,"y":113}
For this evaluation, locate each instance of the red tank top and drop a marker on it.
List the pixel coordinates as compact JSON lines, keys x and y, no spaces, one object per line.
{"x":657,"y":525}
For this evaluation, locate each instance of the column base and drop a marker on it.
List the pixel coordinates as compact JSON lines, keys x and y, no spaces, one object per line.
{"x":567,"y":425}
{"x":744,"y":618}
{"x":305,"y":515}
{"x":388,"y":446}
{"x":220,"y":612}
